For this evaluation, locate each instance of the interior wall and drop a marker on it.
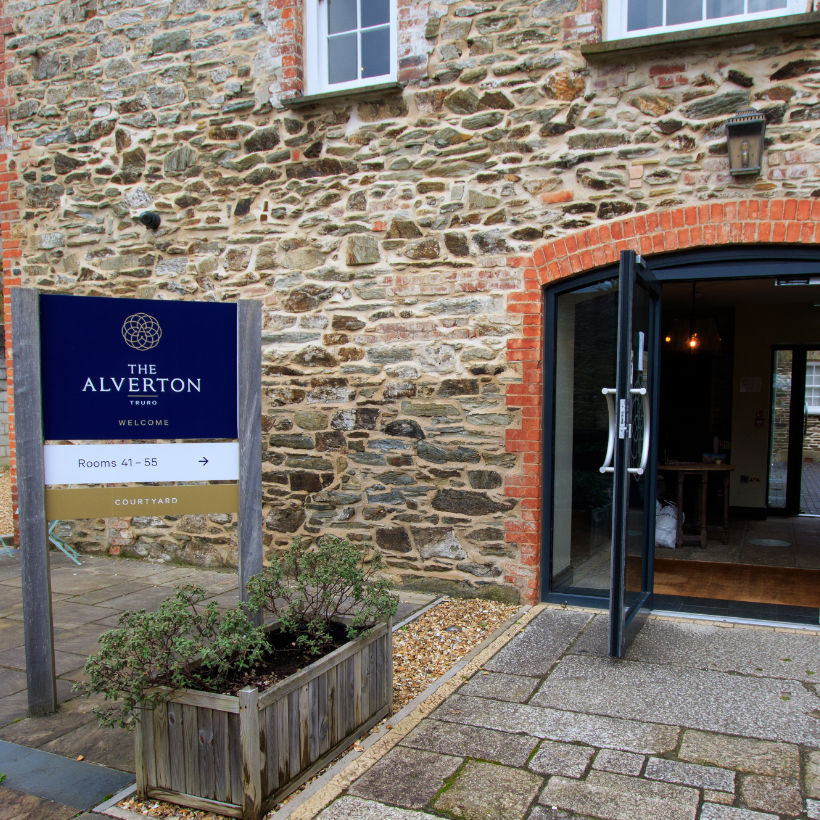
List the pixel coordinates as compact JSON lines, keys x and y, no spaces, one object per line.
{"x":757,"y":329}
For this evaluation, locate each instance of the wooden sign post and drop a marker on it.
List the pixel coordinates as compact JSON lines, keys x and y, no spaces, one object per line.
{"x":29,"y":401}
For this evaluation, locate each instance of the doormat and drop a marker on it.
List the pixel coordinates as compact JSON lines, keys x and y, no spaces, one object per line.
{"x":768,"y":542}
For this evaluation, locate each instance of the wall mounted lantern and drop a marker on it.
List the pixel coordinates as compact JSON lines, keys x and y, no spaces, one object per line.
{"x":744,"y":138}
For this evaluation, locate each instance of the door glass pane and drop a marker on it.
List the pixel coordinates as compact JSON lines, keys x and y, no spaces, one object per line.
{"x":341,"y":15}
{"x":683,"y":11}
{"x":375,"y":12}
{"x":586,"y":356}
{"x":376,"y":52}
{"x":723,"y":8}
{"x":342,"y":62}
{"x":779,"y":430}
{"x":644,"y":14}
{"x":637,"y":519}
{"x":810,"y":475}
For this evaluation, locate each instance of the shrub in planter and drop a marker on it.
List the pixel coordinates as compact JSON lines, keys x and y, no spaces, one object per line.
{"x":239,"y":753}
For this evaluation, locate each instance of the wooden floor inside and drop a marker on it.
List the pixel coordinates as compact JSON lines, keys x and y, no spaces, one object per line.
{"x":786,"y":586}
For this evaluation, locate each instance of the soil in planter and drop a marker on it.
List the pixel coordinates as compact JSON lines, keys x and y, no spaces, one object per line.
{"x":282,"y":659}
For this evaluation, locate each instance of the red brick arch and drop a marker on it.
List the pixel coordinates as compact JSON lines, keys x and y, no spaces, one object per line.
{"x":750,"y":222}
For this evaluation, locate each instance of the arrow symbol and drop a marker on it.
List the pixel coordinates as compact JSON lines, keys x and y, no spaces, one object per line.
{"x":203,"y":461}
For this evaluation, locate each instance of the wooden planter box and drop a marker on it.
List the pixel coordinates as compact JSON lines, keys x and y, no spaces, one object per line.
{"x":238,"y":755}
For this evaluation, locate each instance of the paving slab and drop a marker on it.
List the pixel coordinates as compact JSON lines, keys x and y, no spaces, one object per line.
{"x":617,"y":797}
{"x":741,"y":753}
{"x":354,"y":808}
{"x":690,"y":774}
{"x":555,"y":724}
{"x":500,"y":686}
{"x":405,"y":777}
{"x":472,"y":741}
{"x":109,"y":592}
{"x":713,"y":811}
{"x":566,"y":759}
{"x":553,"y":813}
{"x":812,"y":774}
{"x":11,"y":681}
{"x":51,"y":777}
{"x":774,"y":794}
{"x":695,"y":698}
{"x":611,"y":760}
{"x":539,"y":646}
{"x":483,"y":791}
{"x":15,"y":658}
{"x":11,"y":633}
{"x":111,"y":747}
{"x":813,"y":809}
{"x":792,"y":654}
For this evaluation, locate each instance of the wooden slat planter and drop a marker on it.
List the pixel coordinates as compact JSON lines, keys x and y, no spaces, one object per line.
{"x":238,"y":755}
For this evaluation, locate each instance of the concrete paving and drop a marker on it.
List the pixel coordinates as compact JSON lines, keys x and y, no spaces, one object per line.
{"x":700,"y":721}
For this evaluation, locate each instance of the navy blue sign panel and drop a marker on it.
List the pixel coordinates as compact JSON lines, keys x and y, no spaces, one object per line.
{"x":137,"y":368}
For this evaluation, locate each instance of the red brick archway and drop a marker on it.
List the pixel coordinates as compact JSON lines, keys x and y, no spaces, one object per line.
{"x":790,"y":221}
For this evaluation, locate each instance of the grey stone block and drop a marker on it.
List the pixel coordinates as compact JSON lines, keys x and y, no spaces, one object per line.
{"x":690,"y":774}
{"x":775,"y":794}
{"x":483,"y":791}
{"x":567,"y":759}
{"x":812,"y":775}
{"x":695,"y":698}
{"x":617,"y":797}
{"x":741,"y":753}
{"x":611,"y":760}
{"x":539,"y":646}
{"x":714,"y":811}
{"x":354,"y":808}
{"x":500,"y":686}
{"x":406,"y":777}
{"x":813,"y":809}
{"x":554,"y":724}
{"x":472,"y":741}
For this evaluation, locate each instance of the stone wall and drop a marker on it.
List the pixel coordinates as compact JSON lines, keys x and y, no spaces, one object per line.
{"x":386,"y":239}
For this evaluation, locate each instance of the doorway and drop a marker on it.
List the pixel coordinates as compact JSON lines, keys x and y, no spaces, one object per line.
{"x":715,"y":406}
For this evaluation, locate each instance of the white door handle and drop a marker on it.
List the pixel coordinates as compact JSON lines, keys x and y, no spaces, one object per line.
{"x":609,"y":394}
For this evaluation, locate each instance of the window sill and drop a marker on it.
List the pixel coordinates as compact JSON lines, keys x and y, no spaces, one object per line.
{"x":363,"y":93}
{"x":801,"y":24}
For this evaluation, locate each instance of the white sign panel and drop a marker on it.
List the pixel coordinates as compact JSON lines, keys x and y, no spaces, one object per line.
{"x":140,"y":463}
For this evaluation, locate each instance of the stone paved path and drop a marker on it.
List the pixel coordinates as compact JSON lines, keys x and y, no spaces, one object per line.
{"x":701,"y":721}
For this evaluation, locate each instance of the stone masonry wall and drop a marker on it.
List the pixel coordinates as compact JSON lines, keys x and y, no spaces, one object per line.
{"x":384,"y":238}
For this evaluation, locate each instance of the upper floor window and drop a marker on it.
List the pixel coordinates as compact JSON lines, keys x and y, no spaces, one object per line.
{"x":634,"y":18}
{"x":350,"y":44}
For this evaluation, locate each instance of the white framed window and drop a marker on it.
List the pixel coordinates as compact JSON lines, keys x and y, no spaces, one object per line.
{"x":349,"y":44}
{"x":635,"y":18}
{"x":813,"y":388}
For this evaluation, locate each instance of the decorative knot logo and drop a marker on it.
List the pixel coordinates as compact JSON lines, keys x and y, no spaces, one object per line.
{"x":141,"y":331}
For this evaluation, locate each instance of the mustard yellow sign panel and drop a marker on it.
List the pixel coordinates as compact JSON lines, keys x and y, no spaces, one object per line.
{"x":66,"y":504}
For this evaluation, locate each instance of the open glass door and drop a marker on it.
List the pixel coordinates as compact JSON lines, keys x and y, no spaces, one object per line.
{"x":632,"y":456}
{"x":601,"y":360}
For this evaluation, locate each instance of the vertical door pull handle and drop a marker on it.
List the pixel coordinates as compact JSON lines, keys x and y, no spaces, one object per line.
{"x":609,"y":394}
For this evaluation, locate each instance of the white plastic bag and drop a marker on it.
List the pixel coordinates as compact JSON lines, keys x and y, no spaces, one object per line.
{"x":666,"y":525}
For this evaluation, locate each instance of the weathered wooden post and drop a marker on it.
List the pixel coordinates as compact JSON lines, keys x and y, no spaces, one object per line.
{"x":36,"y":578}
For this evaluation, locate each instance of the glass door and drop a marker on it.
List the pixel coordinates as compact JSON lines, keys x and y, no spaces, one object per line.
{"x":634,"y":452}
{"x":600,"y":490}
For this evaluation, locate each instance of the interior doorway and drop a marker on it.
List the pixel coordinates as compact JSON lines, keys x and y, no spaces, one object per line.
{"x":722,"y":318}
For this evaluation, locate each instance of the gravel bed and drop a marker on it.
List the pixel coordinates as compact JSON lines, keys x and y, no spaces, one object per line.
{"x":6,"y":518}
{"x":423,"y":651}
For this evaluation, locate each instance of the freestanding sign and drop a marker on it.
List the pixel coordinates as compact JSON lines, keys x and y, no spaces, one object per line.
{"x":90,"y":368}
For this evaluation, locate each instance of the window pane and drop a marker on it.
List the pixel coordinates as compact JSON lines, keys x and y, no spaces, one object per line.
{"x":644,"y":14}
{"x":375,"y":12}
{"x":723,"y":8}
{"x":376,"y":52}
{"x":766,"y":5}
{"x":342,"y":62}
{"x":683,"y":11}
{"x":341,"y":15}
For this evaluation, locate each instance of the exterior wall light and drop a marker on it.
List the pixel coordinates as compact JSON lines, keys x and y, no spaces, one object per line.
{"x":151,"y":220}
{"x":744,"y":138}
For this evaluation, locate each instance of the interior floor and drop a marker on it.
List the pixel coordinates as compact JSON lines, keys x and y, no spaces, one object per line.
{"x":773,"y":542}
